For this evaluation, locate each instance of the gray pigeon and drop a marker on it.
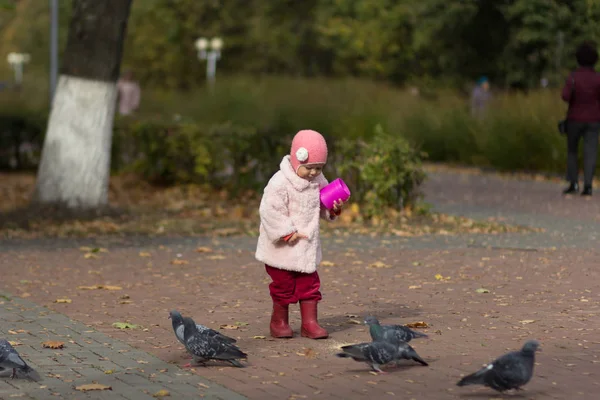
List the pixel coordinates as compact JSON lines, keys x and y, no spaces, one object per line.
{"x":511,"y":371}
{"x":10,"y":359}
{"x":177,"y":321}
{"x":203,"y":347}
{"x":380,"y":353}
{"x":391,"y":333}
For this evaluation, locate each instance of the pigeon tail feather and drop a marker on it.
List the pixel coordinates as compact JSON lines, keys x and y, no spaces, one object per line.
{"x":236,"y":363}
{"x":346,"y":355}
{"x":415,"y":357}
{"x":355,"y":352}
{"x":236,"y":352}
{"x":474,"y":379}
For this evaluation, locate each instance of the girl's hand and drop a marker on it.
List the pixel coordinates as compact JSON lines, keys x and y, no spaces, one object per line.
{"x":295,"y":237}
{"x":338,"y":205}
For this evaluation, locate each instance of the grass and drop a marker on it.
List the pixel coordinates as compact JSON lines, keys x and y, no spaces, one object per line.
{"x":519,"y":132}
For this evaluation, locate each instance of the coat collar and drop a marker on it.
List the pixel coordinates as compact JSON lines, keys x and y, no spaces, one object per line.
{"x":288,"y":171}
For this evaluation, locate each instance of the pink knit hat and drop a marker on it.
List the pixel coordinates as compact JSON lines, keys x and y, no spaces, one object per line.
{"x":308,"y":147}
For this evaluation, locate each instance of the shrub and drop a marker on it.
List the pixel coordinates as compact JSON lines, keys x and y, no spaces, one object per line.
{"x":21,"y":135}
{"x":383,"y":172}
{"x":182,"y":151}
{"x":521,"y":134}
{"x":161,"y":151}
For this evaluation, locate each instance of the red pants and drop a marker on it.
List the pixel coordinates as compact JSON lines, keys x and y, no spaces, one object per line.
{"x":289,"y":287}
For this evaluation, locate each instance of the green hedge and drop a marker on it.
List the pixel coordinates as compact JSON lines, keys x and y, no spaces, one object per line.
{"x":382,"y":171}
{"x":20,"y":126}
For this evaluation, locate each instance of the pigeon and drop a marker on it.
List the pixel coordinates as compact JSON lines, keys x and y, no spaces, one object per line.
{"x":510,"y":371}
{"x":10,"y":359}
{"x":380,"y":352}
{"x":177,"y":321}
{"x":391,"y":333}
{"x":203,"y":347}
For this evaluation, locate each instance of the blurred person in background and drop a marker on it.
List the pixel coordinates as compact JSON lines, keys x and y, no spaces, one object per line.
{"x":582,"y":93}
{"x":129,"y":94}
{"x":480,"y":97}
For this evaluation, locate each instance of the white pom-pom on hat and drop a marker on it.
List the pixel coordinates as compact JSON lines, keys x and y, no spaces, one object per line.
{"x":302,"y":154}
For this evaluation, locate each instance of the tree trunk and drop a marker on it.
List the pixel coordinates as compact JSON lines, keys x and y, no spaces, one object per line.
{"x":75,"y":166}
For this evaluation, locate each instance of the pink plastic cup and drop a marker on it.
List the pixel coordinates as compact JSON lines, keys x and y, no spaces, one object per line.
{"x":336,"y":190}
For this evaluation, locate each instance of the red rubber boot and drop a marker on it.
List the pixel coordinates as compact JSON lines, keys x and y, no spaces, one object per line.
{"x":310,"y":327}
{"x":280,"y":327}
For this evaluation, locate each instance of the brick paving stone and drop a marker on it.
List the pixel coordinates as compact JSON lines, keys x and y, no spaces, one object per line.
{"x":77,"y":364}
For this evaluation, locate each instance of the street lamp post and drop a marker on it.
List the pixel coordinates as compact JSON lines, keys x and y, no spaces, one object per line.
{"x":16,"y":60}
{"x":211,"y":52}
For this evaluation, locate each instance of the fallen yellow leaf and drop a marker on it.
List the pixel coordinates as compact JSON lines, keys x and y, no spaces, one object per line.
{"x":527,"y":321}
{"x":204,"y":250}
{"x":93,"y":249}
{"x":63,"y":301}
{"x":216,"y":257}
{"x":178,"y":261}
{"x":418,"y":324}
{"x":259,"y":337}
{"x":145,"y":254}
{"x":229,"y":327}
{"x":226,"y":231}
{"x":327,"y":264}
{"x":125,"y":325}
{"x":51,"y":344}
{"x":162,"y":393}
{"x":379,"y":264}
{"x":308,"y":353}
{"x":440,"y":277}
{"x":92,"y":386}
{"x":95,"y":287}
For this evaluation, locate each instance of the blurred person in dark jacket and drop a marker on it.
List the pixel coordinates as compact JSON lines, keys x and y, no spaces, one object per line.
{"x":582,"y":93}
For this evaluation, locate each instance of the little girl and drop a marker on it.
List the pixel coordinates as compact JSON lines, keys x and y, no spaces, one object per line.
{"x":289,"y":243}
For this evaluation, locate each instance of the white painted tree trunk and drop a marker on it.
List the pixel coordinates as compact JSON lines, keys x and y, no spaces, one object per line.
{"x":75,"y":166}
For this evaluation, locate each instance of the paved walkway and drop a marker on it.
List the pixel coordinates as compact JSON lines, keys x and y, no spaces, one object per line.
{"x":88,"y":357}
{"x":542,"y":285}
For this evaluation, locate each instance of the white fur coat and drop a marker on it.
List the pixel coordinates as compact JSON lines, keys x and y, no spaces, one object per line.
{"x":291,"y":204}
